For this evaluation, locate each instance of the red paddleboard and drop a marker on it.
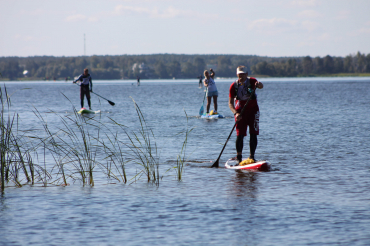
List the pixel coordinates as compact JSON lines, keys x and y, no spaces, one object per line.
{"x":257,"y":166}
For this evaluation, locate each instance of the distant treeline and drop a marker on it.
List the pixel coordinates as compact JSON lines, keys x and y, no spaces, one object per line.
{"x":167,"y":66}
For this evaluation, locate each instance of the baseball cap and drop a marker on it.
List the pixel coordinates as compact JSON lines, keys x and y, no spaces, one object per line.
{"x":241,"y":69}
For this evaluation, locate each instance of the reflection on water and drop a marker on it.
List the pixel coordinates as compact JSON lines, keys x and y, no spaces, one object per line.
{"x":2,"y":203}
{"x":244,"y":185}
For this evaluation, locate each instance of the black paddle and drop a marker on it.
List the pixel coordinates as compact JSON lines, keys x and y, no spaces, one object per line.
{"x":227,"y":140}
{"x":110,"y":102}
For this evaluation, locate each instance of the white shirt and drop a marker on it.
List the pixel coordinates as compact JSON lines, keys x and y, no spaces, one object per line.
{"x":211,"y":84}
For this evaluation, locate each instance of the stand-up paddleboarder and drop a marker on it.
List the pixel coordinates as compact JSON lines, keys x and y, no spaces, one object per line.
{"x":211,"y":89}
{"x":239,"y":93}
{"x":85,"y":87}
{"x":200,"y":77}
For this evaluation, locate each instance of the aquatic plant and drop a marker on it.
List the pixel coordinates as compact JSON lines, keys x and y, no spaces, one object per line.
{"x":79,"y":145}
{"x":115,"y":156}
{"x":72,"y":145}
{"x":15,"y":158}
{"x":142,"y":150}
{"x":180,"y":160}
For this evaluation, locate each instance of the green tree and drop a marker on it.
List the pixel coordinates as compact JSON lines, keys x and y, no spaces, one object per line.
{"x":318,"y":65}
{"x":188,"y":70}
{"x":31,"y":67}
{"x":64,"y":71}
{"x":106,"y":63}
{"x":328,"y":64}
{"x":199,"y":65}
{"x":81,"y":63}
{"x":224,"y":66}
{"x":11,"y":69}
{"x":94,"y":62}
{"x":40,"y":72}
{"x":360,"y":63}
{"x":160,"y":70}
{"x":307,"y":65}
{"x":263,"y":68}
{"x":338,"y":65}
{"x":174,"y":69}
{"x":368,"y":63}
{"x":278,"y":69}
{"x":347,"y":64}
{"x":292,"y":67}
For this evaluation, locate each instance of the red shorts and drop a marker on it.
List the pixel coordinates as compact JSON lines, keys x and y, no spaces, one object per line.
{"x":251,"y":118}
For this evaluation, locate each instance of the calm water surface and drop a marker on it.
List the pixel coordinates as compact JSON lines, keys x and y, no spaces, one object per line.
{"x":315,"y":132}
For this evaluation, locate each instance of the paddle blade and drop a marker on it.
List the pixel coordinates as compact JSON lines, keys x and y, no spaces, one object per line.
{"x":201,"y":110}
{"x":111,"y":103}
{"x":215,"y":164}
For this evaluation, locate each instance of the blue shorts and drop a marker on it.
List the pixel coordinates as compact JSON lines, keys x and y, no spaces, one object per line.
{"x":212,"y":93}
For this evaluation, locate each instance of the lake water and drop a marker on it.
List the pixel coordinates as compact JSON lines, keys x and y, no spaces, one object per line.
{"x":315,"y":132}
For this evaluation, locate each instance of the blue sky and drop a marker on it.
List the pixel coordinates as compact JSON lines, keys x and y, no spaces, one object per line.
{"x":116,"y":27}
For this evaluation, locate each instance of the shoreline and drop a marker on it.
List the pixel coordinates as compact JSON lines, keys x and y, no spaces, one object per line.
{"x":252,"y":75}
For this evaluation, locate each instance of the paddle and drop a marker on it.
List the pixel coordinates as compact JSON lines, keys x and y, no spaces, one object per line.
{"x":241,"y":113}
{"x":201,"y":110}
{"x":110,"y":102}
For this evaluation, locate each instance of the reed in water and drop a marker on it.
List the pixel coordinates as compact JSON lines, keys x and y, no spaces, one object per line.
{"x":16,"y":163}
{"x":80,"y":147}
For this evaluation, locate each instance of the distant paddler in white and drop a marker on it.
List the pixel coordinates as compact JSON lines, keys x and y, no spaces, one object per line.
{"x":85,"y":87}
{"x":210,"y":84}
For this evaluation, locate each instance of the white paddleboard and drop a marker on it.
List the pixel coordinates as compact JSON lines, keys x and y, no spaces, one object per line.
{"x":86,"y":111}
{"x":213,"y":116}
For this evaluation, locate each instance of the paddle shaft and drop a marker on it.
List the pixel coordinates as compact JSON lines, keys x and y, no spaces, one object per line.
{"x":216,"y":164}
{"x":110,"y":102}
{"x":205,"y":93}
{"x":202,"y":108}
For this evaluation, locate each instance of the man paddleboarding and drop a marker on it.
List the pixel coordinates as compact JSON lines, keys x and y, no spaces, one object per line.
{"x":211,"y":89}
{"x":85,"y":87}
{"x":200,"y":77}
{"x":240,"y":91}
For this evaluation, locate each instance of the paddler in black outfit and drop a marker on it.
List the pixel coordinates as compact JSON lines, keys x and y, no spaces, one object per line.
{"x":85,"y":87}
{"x":200,"y":77}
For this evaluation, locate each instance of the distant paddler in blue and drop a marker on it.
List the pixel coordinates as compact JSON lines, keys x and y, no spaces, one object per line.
{"x":210,"y":84}
{"x":85,"y":87}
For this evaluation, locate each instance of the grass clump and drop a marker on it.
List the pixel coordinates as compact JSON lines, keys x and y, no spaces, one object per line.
{"x":80,"y":148}
{"x":16,"y":163}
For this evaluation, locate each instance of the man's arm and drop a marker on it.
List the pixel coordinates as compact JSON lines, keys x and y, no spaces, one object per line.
{"x":232,"y":108}
{"x":212,"y":74}
{"x":231,"y":105}
{"x":90,"y":84}
{"x":79,"y":78}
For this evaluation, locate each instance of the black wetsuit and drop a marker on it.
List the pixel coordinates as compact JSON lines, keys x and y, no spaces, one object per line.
{"x":85,"y":88}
